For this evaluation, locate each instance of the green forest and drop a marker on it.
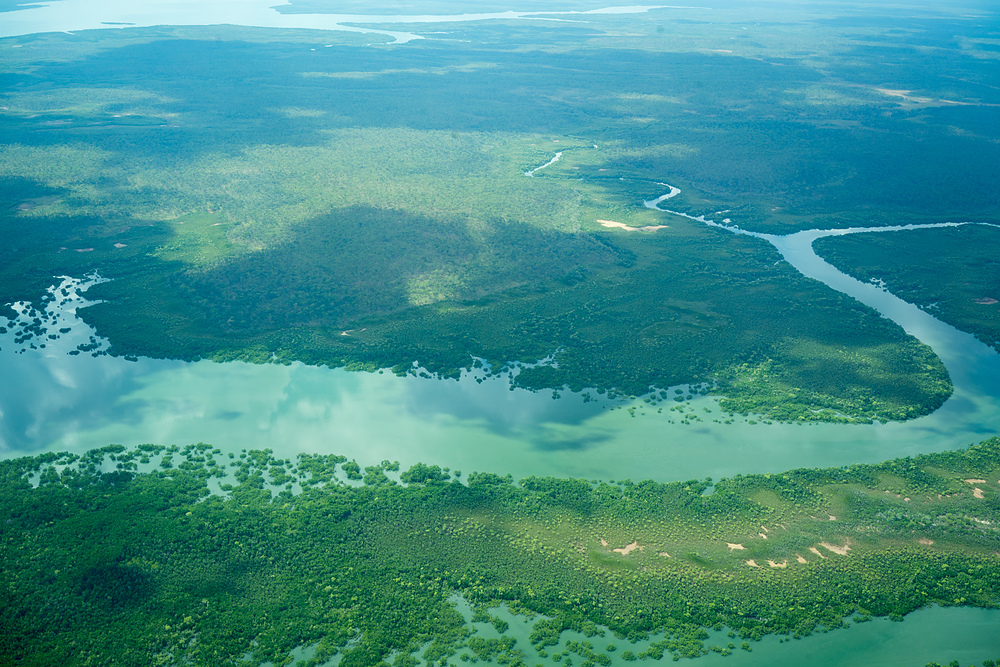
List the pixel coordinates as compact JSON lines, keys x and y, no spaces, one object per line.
{"x":476,"y":198}
{"x":165,"y":555}
{"x":314,"y":216}
{"x":951,"y":272}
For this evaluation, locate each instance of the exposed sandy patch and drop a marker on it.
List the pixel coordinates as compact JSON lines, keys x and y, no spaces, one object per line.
{"x":121,"y":245}
{"x":894,"y":92}
{"x":909,"y":100}
{"x":763,"y":535}
{"x":721,"y":50}
{"x":764,"y":528}
{"x":925,"y":541}
{"x":735,"y":547}
{"x":625,"y":551}
{"x":986,"y":301}
{"x":622,"y":225}
{"x":906,"y":500}
{"x":817,"y":552}
{"x":752,"y":563}
{"x":782,"y":565}
{"x":84,"y":249}
{"x":977,"y":493}
{"x":800,"y":559}
{"x":842,"y":551}
{"x":832,"y":518}
{"x":975,"y":481}
{"x":604,"y":542}
{"x":663,"y":553}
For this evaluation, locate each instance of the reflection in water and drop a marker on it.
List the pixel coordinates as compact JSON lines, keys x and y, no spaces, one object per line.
{"x":73,"y":15}
{"x":54,"y":401}
{"x":59,"y":382}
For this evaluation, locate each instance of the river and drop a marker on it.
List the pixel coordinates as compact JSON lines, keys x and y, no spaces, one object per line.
{"x":53,"y":401}
{"x":50,"y":400}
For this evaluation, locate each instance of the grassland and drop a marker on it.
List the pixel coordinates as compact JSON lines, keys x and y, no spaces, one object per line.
{"x":266,"y":224}
{"x":951,"y":272}
{"x":106,"y":563}
{"x":257,"y":194}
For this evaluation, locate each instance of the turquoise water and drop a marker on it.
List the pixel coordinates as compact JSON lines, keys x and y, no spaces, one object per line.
{"x":52,"y":401}
{"x":939,"y":634}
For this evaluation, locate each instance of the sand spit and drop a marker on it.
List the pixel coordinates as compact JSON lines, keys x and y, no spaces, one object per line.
{"x":817,"y":552}
{"x":975,"y":481}
{"x":800,"y":559}
{"x":752,"y":563}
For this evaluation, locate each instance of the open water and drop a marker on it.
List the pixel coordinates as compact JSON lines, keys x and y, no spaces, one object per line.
{"x":50,"y":400}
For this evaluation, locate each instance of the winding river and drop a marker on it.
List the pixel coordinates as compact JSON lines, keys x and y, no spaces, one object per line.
{"x":53,"y":400}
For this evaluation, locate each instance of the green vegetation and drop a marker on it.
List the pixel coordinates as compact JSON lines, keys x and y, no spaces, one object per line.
{"x":267,"y":225}
{"x":281,"y":195}
{"x":123,"y":556}
{"x":256,"y":197}
{"x":951,"y":272}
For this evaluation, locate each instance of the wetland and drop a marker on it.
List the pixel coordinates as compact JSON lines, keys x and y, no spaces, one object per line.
{"x":356,"y":270}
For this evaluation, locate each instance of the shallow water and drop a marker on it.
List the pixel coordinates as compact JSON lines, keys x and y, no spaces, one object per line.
{"x":939,"y":634}
{"x":74,"y":15}
{"x":55,"y":401}
{"x":52,"y":401}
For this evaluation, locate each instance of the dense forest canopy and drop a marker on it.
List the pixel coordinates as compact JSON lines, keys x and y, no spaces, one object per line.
{"x":256,"y":194}
{"x":163,"y":555}
{"x":483,"y":196}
